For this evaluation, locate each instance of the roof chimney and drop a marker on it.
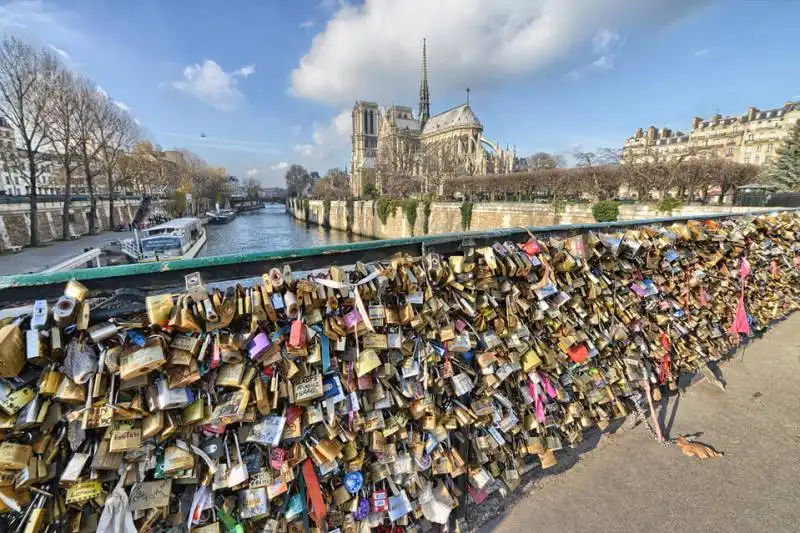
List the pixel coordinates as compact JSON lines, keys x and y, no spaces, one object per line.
{"x":751,"y":113}
{"x":696,"y":122}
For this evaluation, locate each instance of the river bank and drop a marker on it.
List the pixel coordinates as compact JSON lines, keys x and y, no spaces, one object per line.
{"x":362,"y":217}
{"x":259,"y":230}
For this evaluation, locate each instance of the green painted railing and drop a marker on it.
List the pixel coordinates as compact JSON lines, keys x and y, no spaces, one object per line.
{"x":15,"y":290}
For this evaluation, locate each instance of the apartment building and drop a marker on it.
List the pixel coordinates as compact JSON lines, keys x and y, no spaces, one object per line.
{"x":12,"y":178}
{"x":751,"y":138}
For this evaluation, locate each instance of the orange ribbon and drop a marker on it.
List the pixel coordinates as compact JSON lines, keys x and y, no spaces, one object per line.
{"x":317,"y":509}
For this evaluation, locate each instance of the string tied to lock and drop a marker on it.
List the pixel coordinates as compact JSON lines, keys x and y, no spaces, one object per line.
{"x":741,"y":324}
{"x":664,"y":372}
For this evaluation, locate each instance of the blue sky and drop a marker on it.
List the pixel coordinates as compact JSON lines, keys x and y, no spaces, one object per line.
{"x":271,"y":82}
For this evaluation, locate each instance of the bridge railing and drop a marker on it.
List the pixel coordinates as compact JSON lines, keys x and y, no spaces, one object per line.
{"x":163,"y":276}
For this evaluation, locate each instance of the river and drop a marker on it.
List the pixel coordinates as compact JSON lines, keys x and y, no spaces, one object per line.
{"x":262,"y":230}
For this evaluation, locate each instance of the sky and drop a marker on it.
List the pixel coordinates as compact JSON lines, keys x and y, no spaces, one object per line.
{"x":257,"y":85}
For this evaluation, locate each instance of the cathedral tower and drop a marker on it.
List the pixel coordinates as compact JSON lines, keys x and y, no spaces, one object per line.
{"x":424,"y":93}
{"x":366,"y":125}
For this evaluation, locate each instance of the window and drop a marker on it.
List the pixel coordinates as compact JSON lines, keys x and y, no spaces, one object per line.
{"x":769,"y":147}
{"x":746,"y":160}
{"x":750,"y":137}
{"x":756,"y":160}
{"x":729,"y":152}
{"x":758,"y":148}
{"x":767,"y":159}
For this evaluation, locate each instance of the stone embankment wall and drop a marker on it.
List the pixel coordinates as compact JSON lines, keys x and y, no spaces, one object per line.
{"x":445,"y":217}
{"x":15,"y":220}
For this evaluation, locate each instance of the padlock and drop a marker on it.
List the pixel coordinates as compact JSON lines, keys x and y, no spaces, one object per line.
{"x":12,"y":351}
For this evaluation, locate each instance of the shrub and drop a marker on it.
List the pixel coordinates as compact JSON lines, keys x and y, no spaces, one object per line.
{"x":605,"y":211}
{"x":349,"y":213}
{"x":369,"y":191}
{"x":386,"y":206}
{"x":426,"y":212}
{"x":668,"y":204}
{"x":326,"y":213}
{"x":410,"y":211}
{"x":466,"y":215}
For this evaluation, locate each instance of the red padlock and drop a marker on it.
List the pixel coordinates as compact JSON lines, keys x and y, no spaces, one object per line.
{"x":297,"y":335}
{"x":380,"y":501}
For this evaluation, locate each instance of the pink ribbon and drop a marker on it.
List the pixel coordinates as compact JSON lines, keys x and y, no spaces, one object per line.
{"x":539,"y":406}
{"x":547,"y":386}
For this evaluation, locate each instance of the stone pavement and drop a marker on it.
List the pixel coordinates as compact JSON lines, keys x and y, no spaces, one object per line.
{"x":630,"y":483}
{"x":31,"y":260}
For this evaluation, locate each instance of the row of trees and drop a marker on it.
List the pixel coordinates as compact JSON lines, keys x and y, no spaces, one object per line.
{"x":301,"y":182}
{"x":689,"y":180}
{"x":64,"y":124}
{"x":598,"y":174}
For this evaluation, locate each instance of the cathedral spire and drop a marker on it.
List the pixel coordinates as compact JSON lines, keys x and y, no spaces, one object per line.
{"x":424,"y":94}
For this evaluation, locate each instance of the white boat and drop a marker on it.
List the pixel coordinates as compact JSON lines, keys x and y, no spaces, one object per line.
{"x":221,"y":216}
{"x":181,"y":238}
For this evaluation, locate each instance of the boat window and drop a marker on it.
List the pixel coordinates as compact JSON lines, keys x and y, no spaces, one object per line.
{"x":161,"y":243}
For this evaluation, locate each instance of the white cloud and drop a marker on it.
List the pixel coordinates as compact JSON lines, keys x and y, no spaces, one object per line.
{"x":251,"y":173}
{"x":283,"y":165}
{"x":41,"y":22}
{"x":606,"y":46}
{"x":305,"y":150}
{"x":220,"y":143}
{"x":212,"y":85}
{"x":62,"y":53}
{"x":296,"y":129}
{"x":702,"y":52}
{"x":471,"y":43}
{"x":122,"y":106}
{"x":331,"y":5}
{"x":246,"y":70}
{"x":336,"y":134}
{"x":306,"y":24}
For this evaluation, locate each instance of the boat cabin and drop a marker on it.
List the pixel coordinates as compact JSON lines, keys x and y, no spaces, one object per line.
{"x":171,"y":239}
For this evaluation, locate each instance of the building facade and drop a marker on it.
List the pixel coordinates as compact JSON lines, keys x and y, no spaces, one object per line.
{"x":14,"y":163}
{"x":751,"y":138}
{"x":231,"y":187}
{"x":396,"y":140}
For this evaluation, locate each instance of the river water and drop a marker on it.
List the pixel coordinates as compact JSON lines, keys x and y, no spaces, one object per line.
{"x":262,"y":230}
{"x":265,"y":230}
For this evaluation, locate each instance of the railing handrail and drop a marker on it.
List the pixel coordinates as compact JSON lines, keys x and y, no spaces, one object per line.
{"x":165,"y":275}
{"x":68,"y":264}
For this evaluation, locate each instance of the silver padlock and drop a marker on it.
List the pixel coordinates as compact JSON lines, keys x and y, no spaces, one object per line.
{"x":35,"y":348}
{"x":102,"y":331}
{"x":39,"y":317}
{"x":65,"y":310}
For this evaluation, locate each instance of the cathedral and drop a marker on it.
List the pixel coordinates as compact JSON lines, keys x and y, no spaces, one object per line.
{"x":449,"y":144}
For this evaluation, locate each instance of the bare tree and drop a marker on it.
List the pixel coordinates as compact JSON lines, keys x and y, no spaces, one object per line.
{"x":91,"y":135}
{"x":439,"y":163}
{"x":196,"y":176}
{"x":251,"y":187}
{"x":118,"y":133}
{"x":398,"y":159}
{"x":297,"y":181}
{"x":27,"y":87}
{"x":62,"y":118}
{"x":543,"y":160}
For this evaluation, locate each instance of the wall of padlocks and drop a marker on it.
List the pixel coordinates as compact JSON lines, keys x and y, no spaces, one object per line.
{"x":389,"y":395}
